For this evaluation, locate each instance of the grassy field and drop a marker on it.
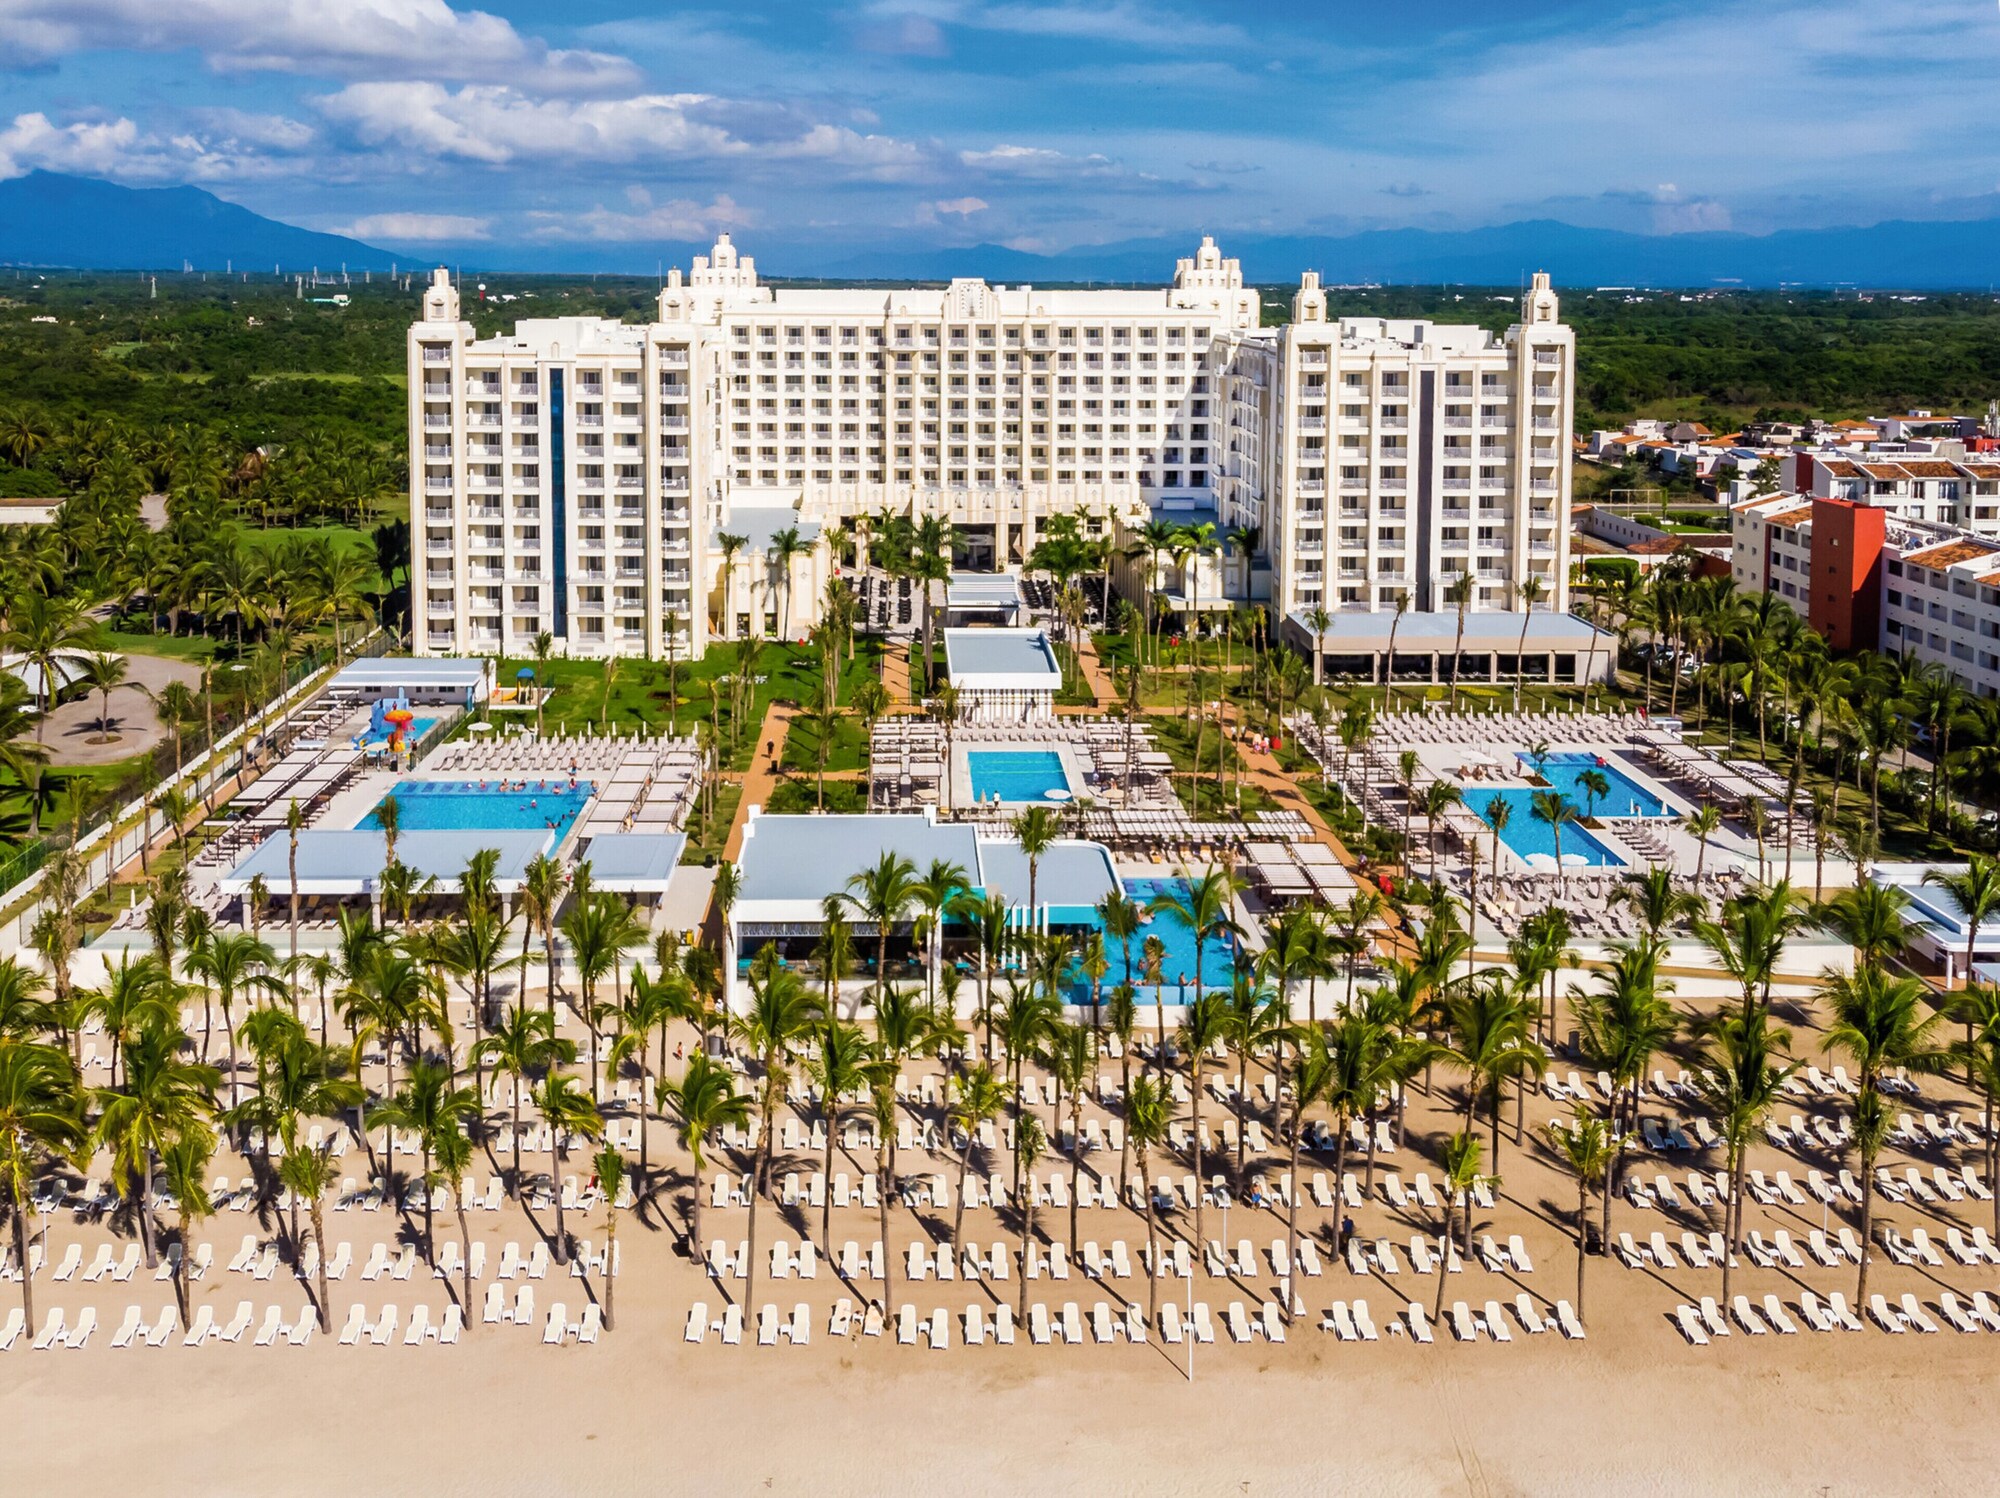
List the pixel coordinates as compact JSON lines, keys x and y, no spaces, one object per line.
{"x":637,"y":694}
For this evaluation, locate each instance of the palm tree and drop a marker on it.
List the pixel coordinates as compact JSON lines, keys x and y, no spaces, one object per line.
{"x":1458,"y":592}
{"x":1742,"y":1080}
{"x":975,"y":1098}
{"x":1389,"y":659}
{"x":1622,"y":1024}
{"x":1499,"y":811}
{"x":1146,"y":1116}
{"x":1205,"y":909}
{"x":430,"y":1107}
{"x":185,"y":1167}
{"x":1975,"y":890}
{"x":729,"y":546}
{"x":882,"y":895}
{"x":1875,"y":1024}
{"x":161,"y":1097}
{"x":1978,"y":1005}
{"x":103,"y":673}
{"x":1493,"y":1040}
{"x":704,"y":1100}
{"x":1870,"y":918}
{"x":52,"y":635}
{"x":610,"y":1166}
{"x":542,"y":885}
{"x":1205,"y":1021}
{"x":1659,"y":905}
{"x":1556,"y":810}
{"x":239,"y":965}
{"x":1036,"y":830}
{"x":1029,"y":1144}
{"x":782,"y":1010}
{"x":786,"y":547}
{"x":520,"y":1046}
{"x":1583,"y":1144}
{"x":1460,"y":1162}
{"x":839,"y":1064}
{"x":1530,"y":591}
{"x":1750,"y":938}
{"x":1072,"y":1060}
{"x":567,"y":1110}
{"x":308,"y":1174}
{"x":1436,"y":798}
{"x":41,"y":1118}
{"x":1702,"y":822}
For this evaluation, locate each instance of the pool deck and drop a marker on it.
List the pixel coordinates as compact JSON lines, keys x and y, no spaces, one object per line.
{"x":1073,"y":766}
{"x":1450,"y":762}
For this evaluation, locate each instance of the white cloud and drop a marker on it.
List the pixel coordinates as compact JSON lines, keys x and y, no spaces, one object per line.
{"x":119,"y":150}
{"x":268,"y":132}
{"x":416,"y":228}
{"x":1037,"y":162}
{"x":1121,"y":22}
{"x":500,"y":126}
{"x":961,"y":207}
{"x":368,"y":38}
{"x":678,"y":219}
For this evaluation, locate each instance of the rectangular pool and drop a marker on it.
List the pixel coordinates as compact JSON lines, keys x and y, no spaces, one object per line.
{"x":1024,"y":775}
{"x":427,"y":805}
{"x":1528,"y":837}
{"x":1626,"y":798}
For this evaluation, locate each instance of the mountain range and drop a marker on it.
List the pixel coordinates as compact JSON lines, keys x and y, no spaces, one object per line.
{"x":49,"y":219}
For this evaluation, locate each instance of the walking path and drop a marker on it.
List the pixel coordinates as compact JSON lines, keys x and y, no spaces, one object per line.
{"x":1096,"y":677}
{"x":896,"y":676}
{"x":762,"y":778}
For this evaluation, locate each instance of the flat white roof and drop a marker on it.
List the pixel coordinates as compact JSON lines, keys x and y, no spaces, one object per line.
{"x":1001,"y":660}
{"x":982,"y":590}
{"x":634,"y":863}
{"x":426,"y":674}
{"x":350,"y":863}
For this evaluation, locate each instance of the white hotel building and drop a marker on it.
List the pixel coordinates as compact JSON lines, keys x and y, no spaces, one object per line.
{"x":575,"y":476}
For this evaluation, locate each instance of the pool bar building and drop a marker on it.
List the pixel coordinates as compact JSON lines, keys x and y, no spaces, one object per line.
{"x":789,"y":864}
{"x":1003,"y":675}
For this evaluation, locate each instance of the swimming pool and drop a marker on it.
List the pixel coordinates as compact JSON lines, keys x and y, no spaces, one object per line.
{"x":1218,"y":955}
{"x":427,"y":805}
{"x":1017,"y":775}
{"x":1626,"y":798}
{"x":1528,"y":836}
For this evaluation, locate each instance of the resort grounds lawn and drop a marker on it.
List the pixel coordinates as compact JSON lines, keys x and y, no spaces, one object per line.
{"x":636,"y":695}
{"x":801,"y":795}
{"x":848,"y":751}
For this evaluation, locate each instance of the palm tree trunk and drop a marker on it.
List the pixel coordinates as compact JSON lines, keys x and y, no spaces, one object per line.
{"x":1583,"y":1232}
{"x":319,"y":1237}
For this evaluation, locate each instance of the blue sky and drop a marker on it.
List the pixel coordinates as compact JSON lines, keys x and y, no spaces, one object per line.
{"x":1040,"y":124}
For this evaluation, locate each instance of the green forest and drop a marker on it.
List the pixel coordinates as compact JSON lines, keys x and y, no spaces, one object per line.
{"x":251,"y":364}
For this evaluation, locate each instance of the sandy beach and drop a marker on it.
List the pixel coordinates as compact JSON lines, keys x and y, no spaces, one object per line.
{"x":1631,"y":1409}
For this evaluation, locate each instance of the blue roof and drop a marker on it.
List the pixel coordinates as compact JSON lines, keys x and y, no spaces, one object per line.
{"x":758,"y":524}
{"x":1069,"y":873}
{"x":810,"y":857}
{"x":1023,"y":653}
{"x":350,"y":863}
{"x":634,"y":862}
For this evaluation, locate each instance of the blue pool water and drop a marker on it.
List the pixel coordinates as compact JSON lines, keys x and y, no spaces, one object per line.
{"x":1016,"y":774}
{"x":427,"y":805}
{"x":1526,"y":835}
{"x":1218,"y":955}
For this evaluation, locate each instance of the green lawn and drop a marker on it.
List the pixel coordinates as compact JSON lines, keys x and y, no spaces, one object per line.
{"x":848,"y":751}
{"x":195,"y":649}
{"x":796,"y":796}
{"x":639,"y":697}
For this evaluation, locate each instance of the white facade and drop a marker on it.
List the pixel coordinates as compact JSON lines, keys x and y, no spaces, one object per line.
{"x":1957,"y":491}
{"x":1415,"y":451}
{"x":574,"y":477}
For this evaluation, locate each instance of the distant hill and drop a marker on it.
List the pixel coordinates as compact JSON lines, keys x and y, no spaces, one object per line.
{"x":55,"y":220}
{"x":1962,"y":254}
{"x":48,"y":219}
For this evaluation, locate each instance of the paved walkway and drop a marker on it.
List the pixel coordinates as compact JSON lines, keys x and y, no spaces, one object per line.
{"x":72,"y":725}
{"x":762,"y":778}
{"x":896,"y":675}
{"x":1096,"y":677}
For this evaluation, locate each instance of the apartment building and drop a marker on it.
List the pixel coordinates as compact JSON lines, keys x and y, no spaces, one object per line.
{"x":1415,"y":452}
{"x":1957,"y":491}
{"x":1868,"y":579}
{"x":634,"y":488}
